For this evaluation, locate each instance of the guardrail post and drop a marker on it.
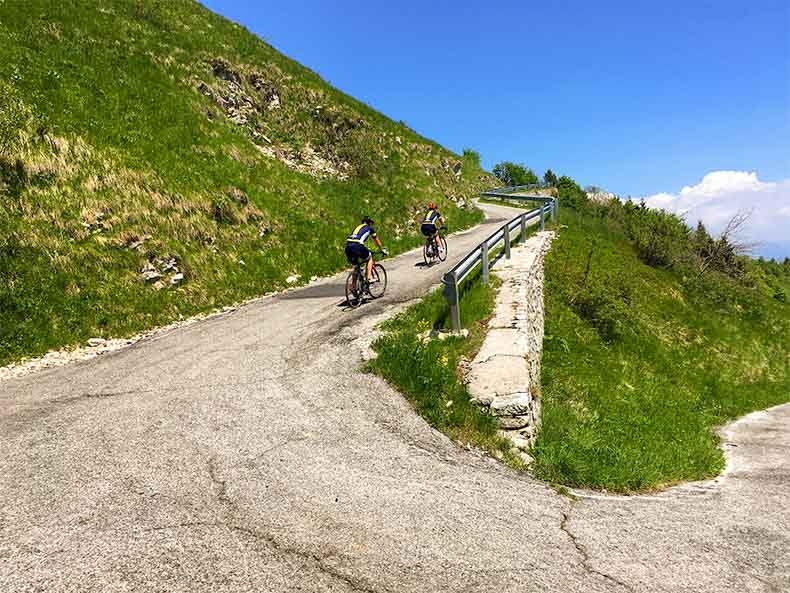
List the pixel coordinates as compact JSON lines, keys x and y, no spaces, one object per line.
{"x":542,"y":216}
{"x":523,"y":228}
{"x":507,"y":240}
{"x":484,"y":261}
{"x":451,"y":294}
{"x":556,"y":210}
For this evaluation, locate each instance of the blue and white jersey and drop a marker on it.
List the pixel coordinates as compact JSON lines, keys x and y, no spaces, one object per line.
{"x":361,"y":234}
{"x":431,"y":217}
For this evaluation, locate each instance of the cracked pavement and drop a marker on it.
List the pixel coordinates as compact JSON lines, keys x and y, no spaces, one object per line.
{"x":247,"y":453}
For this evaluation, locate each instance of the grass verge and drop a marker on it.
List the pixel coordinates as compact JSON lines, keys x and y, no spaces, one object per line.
{"x":641,"y":363}
{"x":426,"y":372}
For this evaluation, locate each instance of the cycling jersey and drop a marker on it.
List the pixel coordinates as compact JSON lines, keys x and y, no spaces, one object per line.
{"x":431,"y":217}
{"x":361,"y":234}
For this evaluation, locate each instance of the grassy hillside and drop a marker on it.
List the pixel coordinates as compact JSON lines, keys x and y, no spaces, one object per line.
{"x":157,"y":160}
{"x":650,"y":344}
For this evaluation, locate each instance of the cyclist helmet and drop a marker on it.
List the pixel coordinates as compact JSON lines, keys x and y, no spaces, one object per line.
{"x":432,"y":206}
{"x":367,"y":220}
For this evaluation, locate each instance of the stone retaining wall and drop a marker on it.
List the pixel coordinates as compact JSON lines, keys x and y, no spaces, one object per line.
{"x":504,"y":377}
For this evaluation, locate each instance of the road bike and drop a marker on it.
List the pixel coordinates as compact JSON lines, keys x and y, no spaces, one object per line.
{"x":357,"y":285}
{"x":433,"y":253}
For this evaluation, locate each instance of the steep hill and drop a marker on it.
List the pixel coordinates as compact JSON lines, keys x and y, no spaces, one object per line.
{"x":656,"y":334}
{"x":157,"y":160}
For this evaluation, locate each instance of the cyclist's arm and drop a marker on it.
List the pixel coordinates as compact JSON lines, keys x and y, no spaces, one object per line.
{"x":378,"y":242}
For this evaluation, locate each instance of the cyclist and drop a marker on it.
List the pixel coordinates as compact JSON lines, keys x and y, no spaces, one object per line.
{"x":357,"y":252}
{"x":430,"y":224}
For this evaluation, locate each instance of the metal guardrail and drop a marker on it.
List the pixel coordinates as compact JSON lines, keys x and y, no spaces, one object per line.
{"x":481,"y":253}
{"x":512,"y":188}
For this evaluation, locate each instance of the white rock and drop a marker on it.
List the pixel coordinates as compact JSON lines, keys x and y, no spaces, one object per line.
{"x":499,"y":376}
{"x":525,"y":457}
{"x":94,"y":342}
{"x":292,"y":279}
{"x":149,"y":272}
{"x":514,"y":422}
{"x":518,"y":441}
{"x":517,"y":404}
{"x":176,"y":278}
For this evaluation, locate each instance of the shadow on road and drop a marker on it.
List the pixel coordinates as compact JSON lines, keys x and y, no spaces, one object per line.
{"x":316,"y":292}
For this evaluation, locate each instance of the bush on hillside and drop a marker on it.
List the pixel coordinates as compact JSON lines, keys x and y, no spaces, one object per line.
{"x":512,"y":174}
{"x":570,"y":194}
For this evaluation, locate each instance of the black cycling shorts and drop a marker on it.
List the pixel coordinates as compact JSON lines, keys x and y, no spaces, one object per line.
{"x":428,"y":229}
{"x":357,"y":253}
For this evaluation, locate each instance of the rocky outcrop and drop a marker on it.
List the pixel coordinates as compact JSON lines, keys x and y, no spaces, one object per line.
{"x":504,"y":377}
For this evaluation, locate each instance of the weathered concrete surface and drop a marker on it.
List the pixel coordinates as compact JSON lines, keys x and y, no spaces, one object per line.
{"x":245,"y":453}
{"x":504,"y":377}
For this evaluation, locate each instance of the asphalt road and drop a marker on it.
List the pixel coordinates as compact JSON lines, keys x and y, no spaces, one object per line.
{"x":247,"y":453}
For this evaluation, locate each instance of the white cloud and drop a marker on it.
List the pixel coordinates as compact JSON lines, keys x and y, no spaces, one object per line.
{"x":721,"y":194}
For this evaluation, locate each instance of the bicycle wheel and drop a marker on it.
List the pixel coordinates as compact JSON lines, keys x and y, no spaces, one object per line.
{"x":378,"y":282}
{"x":442,"y":249}
{"x":426,"y":253}
{"x":353,"y":295}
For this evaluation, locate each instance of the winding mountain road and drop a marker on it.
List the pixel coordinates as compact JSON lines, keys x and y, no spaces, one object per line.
{"x":247,"y":453}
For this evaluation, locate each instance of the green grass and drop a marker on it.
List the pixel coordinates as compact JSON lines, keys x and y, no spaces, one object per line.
{"x":642,"y":363}
{"x":427,"y":373}
{"x":116,"y":151}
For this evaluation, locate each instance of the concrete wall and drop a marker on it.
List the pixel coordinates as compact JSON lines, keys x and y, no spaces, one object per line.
{"x":504,"y":377}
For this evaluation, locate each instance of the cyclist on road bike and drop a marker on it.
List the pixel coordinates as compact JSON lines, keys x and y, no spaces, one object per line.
{"x":357,"y":252}
{"x":431,"y":224}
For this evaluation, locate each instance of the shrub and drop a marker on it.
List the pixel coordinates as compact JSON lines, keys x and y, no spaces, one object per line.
{"x":570,"y":194}
{"x":514,"y":174}
{"x":471,"y":158}
{"x":223,"y":210}
{"x":604,"y":305}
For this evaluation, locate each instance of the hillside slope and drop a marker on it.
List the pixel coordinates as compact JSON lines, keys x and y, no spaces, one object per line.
{"x":647,"y":350}
{"x":157,"y":160}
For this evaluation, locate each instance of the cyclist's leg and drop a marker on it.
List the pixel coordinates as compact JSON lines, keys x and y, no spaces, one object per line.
{"x":369,"y":268}
{"x":352,"y":256}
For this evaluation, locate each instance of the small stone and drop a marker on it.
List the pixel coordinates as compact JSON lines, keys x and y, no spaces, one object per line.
{"x":167,"y":266}
{"x":526,"y":458}
{"x":398,"y":140}
{"x":313,"y":278}
{"x":517,"y":404}
{"x":149,"y":272}
{"x":528,"y":432}
{"x":518,"y":441}
{"x":95,"y":342}
{"x":484,"y":400}
{"x":293,"y":279}
{"x":176,"y":278}
{"x":513,"y":422}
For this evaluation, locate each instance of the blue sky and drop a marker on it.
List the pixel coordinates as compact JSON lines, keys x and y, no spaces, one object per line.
{"x":641,"y":98}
